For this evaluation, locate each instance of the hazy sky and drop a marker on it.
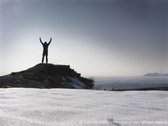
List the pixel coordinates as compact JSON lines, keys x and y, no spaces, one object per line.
{"x":95,"y":37}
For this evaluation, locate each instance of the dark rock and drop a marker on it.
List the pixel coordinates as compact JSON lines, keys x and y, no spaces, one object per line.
{"x":46,"y":76}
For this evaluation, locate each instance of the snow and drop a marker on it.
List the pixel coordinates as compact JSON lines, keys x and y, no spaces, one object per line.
{"x":76,"y":107}
{"x":76,"y":83}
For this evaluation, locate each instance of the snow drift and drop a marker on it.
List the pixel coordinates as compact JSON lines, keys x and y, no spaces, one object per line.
{"x":76,"y":107}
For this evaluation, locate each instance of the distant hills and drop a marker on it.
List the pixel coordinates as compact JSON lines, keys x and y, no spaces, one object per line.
{"x":156,"y":74}
{"x":46,"y":76}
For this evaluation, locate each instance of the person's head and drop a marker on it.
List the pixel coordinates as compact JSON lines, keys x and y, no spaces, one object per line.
{"x":45,"y":43}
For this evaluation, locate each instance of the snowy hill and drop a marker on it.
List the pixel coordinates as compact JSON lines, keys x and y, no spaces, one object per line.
{"x":46,"y":76}
{"x":74,"y":107}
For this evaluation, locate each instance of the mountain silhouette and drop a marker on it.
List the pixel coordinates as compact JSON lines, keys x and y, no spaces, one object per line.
{"x":46,"y":76}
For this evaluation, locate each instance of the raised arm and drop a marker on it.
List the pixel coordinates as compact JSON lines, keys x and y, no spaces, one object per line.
{"x":41,"y":40}
{"x":50,"y":41}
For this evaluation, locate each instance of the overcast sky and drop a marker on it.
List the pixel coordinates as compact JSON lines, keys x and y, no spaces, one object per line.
{"x":95,"y":37}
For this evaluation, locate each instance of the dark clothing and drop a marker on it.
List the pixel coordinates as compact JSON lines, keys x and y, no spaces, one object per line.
{"x":45,"y":50}
{"x":46,"y":58}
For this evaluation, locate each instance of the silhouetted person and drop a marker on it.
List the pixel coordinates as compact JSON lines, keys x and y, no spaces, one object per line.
{"x":45,"y":49}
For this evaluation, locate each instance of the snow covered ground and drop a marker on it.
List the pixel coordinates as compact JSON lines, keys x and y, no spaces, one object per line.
{"x":74,"y":107}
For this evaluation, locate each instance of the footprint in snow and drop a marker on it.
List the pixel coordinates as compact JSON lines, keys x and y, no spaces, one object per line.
{"x":111,"y":121}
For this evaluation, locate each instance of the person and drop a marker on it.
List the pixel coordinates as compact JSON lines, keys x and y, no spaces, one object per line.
{"x":45,"y":49}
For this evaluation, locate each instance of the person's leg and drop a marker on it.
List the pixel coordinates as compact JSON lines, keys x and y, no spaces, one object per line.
{"x":46,"y":58}
{"x":43,"y":58}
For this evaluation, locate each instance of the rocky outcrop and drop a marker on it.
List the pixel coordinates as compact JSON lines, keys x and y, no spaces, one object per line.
{"x":46,"y":76}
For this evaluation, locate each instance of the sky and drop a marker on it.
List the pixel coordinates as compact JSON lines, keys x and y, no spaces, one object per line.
{"x":94,"y":37}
